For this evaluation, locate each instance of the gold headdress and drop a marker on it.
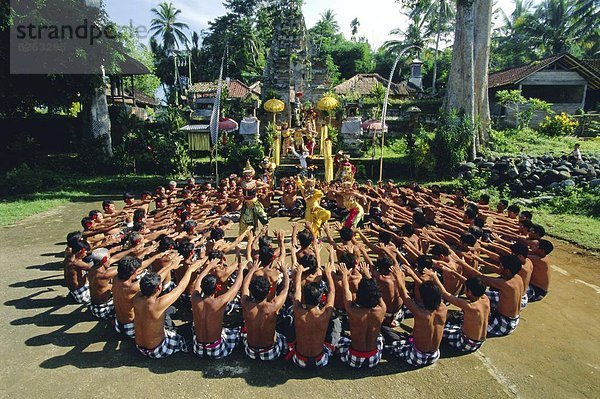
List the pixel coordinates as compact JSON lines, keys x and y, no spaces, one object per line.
{"x":248,"y":169}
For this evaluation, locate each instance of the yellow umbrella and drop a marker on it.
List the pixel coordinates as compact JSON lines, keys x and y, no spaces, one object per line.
{"x":275,"y":106}
{"x":328,"y":103}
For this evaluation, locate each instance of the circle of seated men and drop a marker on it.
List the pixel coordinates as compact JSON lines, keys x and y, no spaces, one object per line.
{"x":416,"y":252}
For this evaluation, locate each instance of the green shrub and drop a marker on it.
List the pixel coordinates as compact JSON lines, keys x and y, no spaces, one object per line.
{"x":558,"y":125}
{"x":451,"y":143}
{"x":25,"y":180}
{"x":575,"y":201}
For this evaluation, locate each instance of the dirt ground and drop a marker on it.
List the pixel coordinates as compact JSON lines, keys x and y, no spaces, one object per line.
{"x":54,"y":348}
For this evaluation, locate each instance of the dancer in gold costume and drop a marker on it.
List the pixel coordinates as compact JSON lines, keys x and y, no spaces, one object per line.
{"x":315,"y":214}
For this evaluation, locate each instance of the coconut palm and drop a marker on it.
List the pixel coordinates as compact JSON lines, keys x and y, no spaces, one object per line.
{"x":165,"y":26}
{"x":354,"y":28}
{"x":328,"y":21}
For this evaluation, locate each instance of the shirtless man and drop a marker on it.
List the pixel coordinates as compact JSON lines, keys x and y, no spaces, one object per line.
{"x":211,"y":340}
{"x":469,"y":335}
{"x":540,"y":278}
{"x":347,"y":237}
{"x":289,"y":204}
{"x":76,"y":269}
{"x":151,"y":337}
{"x":100,"y":276}
{"x":261,"y":341}
{"x":365,"y":315}
{"x":506,"y":301}
{"x":422,"y":347}
{"x":389,"y":291}
{"x":311,"y":322}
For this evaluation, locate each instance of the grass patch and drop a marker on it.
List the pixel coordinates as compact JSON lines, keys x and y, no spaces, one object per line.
{"x":18,"y":207}
{"x":581,"y":230}
{"x":528,"y":141}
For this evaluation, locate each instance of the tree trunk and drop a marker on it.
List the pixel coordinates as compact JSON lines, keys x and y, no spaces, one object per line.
{"x":98,"y":126}
{"x":482,"y":10}
{"x":460,"y":94}
{"x":437,"y":46}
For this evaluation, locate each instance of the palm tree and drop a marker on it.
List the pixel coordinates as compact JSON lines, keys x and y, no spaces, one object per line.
{"x":165,"y":25}
{"x":354,"y":28}
{"x":328,"y":21}
{"x":415,"y":35}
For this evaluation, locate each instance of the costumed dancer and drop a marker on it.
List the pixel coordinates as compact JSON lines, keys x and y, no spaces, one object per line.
{"x":315,"y":214}
{"x":252,"y":210}
{"x":286,"y":134}
{"x":298,"y":139}
{"x":355,"y":210}
{"x":346,"y":170}
{"x":311,"y":143}
{"x":303,"y":158}
{"x":268,"y":166}
{"x":327,"y":149}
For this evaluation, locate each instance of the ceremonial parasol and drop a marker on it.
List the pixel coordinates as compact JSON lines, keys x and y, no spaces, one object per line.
{"x":327,"y":103}
{"x":275,"y":106}
{"x":227,"y":125}
{"x":373,"y":125}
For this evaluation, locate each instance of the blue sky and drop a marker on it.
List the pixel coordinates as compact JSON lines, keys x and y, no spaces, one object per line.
{"x":377,"y":17}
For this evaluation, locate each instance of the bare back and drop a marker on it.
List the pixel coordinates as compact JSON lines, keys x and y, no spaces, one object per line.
{"x":429,"y":328}
{"x":365,"y":326}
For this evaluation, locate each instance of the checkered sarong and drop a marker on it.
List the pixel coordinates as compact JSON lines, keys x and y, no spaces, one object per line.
{"x":170,"y":286}
{"x":500,"y":325}
{"x":267,"y":354}
{"x":494,"y":297}
{"x":304,"y":362}
{"x":82,"y":295}
{"x":535,"y":294}
{"x":453,"y":333}
{"x":406,"y":350}
{"x":172,"y":343}
{"x":230,"y":338}
{"x":524,"y":300}
{"x":358,"y":359}
{"x":125,"y":328}
{"x":103,"y":311}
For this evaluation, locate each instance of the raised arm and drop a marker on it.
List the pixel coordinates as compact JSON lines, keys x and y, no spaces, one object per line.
{"x":461,"y":303}
{"x":279,"y":300}
{"x":346,"y":286}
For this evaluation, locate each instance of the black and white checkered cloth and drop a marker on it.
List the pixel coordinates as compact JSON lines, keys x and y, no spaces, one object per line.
{"x":267,"y":354}
{"x":82,"y":295}
{"x":310,"y":363}
{"x":127,"y":329}
{"x":103,"y":311}
{"x":535,"y":294}
{"x":230,"y":338}
{"x":172,"y":343}
{"x":524,"y":301}
{"x":500,"y":325}
{"x":358,"y":359}
{"x":406,"y":350}
{"x":494,"y":297}
{"x":170,"y":286}
{"x":455,"y":337}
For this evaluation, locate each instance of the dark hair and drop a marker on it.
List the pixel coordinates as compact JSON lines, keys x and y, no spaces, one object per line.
{"x":407,"y":229}
{"x":424,"y":262}
{"x":539,"y":230}
{"x":431,"y":295}
{"x":139,"y":214}
{"x":384,"y":265}
{"x":259,"y":288}
{"x":266,"y":255}
{"x":527,"y":215}
{"x":215,"y":255}
{"x":479,"y":222}
{"x":511,"y":263}
{"x":385,"y":237}
{"x":468,"y":239}
{"x":264,"y":241}
{"x":305,"y":237}
{"x":520,"y":248}
{"x":185,"y":249}
{"x":127,"y":267}
{"x":185,"y":191}
{"x":94,"y":213}
{"x":149,"y":283}
{"x":73,"y":237}
{"x":166,"y":243}
{"x":189,"y":225}
{"x":348,"y":259}
{"x":470,"y":214}
{"x":439,"y":250}
{"x":528,"y":224}
{"x":79,"y":245}
{"x":368,"y":294}
{"x":546,"y":246}
{"x":85,"y":221}
{"x":160,"y":199}
{"x":514,"y":209}
{"x":128,"y":196}
{"x":312,"y":293}
{"x":473,"y":207}
{"x":419,"y":219}
{"x":484,"y":199}
{"x":209,"y":285}
{"x":188,"y":201}
{"x":476,"y":232}
{"x":476,"y":286}
{"x":503,"y":202}
{"x":346,"y":233}
{"x":309,"y":261}
{"x":147,"y":193}
{"x":107,"y":203}
{"x":217,"y":233}
{"x":135,"y":237}
{"x":185,"y":215}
